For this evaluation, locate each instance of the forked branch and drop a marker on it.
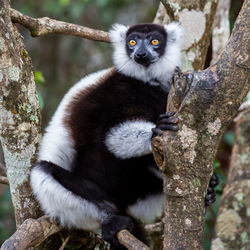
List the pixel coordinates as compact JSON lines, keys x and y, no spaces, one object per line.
{"x":33,"y":232}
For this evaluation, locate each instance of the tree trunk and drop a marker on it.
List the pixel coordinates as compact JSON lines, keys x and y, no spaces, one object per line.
{"x":206,"y":103}
{"x":19,"y":116}
{"x":196,"y":17}
{"x":232,"y":227}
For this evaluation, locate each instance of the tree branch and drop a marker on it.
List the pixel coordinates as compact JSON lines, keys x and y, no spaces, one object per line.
{"x":43,"y":26}
{"x":33,"y":232}
{"x":206,"y":102}
{"x":130,"y":241}
{"x":232,"y":225}
{"x":4,"y":180}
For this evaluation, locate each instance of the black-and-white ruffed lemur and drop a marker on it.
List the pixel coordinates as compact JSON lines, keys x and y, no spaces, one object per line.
{"x":96,"y":169}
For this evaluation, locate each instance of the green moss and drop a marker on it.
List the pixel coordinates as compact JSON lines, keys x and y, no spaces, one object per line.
{"x":24,"y":53}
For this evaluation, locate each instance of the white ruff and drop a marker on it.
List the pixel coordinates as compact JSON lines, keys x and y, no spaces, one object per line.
{"x":57,"y":145}
{"x":130,"y":139}
{"x":148,"y":209}
{"x":162,"y":70}
{"x":60,"y":203}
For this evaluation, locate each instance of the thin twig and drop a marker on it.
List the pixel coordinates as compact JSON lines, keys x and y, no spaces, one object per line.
{"x":44,"y":25}
{"x":130,"y":241}
{"x":65,"y":242}
{"x":4,"y":180}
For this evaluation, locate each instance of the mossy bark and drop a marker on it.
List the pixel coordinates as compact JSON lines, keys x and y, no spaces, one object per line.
{"x":19,"y":116}
{"x":206,"y":103}
{"x":232,"y":226}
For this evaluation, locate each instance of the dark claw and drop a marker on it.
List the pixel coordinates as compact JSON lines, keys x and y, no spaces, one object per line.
{"x":156,"y":131}
{"x":210,"y":190}
{"x":167,"y":114}
{"x":168,"y":127}
{"x":171,"y":120}
{"x":165,"y":122}
{"x":210,"y":202}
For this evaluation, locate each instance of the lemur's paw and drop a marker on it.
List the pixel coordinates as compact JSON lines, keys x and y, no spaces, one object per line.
{"x":211,"y":194}
{"x":115,"y":224}
{"x":165,"y":122}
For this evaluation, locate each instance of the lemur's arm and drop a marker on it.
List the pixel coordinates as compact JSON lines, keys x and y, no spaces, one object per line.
{"x":133,"y":138}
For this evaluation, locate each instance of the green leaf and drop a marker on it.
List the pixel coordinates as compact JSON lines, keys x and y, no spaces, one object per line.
{"x":216,"y":163}
{"x":39,"y":78}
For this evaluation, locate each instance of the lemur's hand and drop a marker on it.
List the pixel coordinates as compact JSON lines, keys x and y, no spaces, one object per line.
{"x":165,"y":122}
{"x":115,"y":224}
{"x":211,"y":194}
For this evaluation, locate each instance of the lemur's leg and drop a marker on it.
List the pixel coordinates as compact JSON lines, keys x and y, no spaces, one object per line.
{"x":77,"y":202}
{"x":211,"y":194}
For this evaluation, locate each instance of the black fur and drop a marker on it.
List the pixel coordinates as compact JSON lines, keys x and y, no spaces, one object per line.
{"x":90,"y":119}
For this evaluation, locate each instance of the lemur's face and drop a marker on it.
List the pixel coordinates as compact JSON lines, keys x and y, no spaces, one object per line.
{"x":146,"y":48}
{"x":147,"y":52}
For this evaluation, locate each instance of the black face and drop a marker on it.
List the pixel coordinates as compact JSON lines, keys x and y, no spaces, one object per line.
{"x":145,"y":43}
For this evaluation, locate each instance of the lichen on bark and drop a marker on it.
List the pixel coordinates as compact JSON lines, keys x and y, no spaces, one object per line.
{"x":232,"y":226}
{"x":196,"y":17}
{"x":19,"y":116}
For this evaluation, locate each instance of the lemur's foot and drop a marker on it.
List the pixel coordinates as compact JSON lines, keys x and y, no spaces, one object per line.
{"x":165,"y":122}
{"x":115,"y":224}
{"x":211,"y":194}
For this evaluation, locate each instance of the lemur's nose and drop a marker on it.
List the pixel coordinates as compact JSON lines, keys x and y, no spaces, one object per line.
{"x":141,"y":55}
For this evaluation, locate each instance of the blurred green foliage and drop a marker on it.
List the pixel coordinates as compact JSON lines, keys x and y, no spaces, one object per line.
{"x":6,"y":215}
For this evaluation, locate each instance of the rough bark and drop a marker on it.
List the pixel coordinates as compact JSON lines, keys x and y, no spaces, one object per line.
{"x":232,"y":227}
{"x":19,"y":116}
{"x":44,"y":25}
{"x":33,"y":232}
{"x":206,"y":103}
{"x":196,"y":17}
{"x":221,"y":28}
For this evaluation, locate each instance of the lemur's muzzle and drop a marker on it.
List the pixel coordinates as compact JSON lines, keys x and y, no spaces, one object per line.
{"x":143,"y":57}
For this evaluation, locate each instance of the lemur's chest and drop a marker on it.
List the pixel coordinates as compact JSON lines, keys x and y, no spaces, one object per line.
{"x":134,"y":97}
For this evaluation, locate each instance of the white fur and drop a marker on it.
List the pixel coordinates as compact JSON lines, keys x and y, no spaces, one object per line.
{"x":58,"y":202}
{"x":162,"y":70}
{"x":57,"y":145}
{"x":130,"y":139}
{"x":148,"y":209}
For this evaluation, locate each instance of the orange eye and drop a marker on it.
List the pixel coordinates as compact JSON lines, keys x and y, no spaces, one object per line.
{"x":132,"y":42}
{"x":155,"y":42}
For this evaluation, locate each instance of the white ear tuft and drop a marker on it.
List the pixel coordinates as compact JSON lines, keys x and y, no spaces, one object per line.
{"x":175,"y":32}
{"x":117,"y":33}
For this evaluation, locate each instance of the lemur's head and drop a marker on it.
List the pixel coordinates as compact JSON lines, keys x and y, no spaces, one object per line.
{"x":149,"y":52}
